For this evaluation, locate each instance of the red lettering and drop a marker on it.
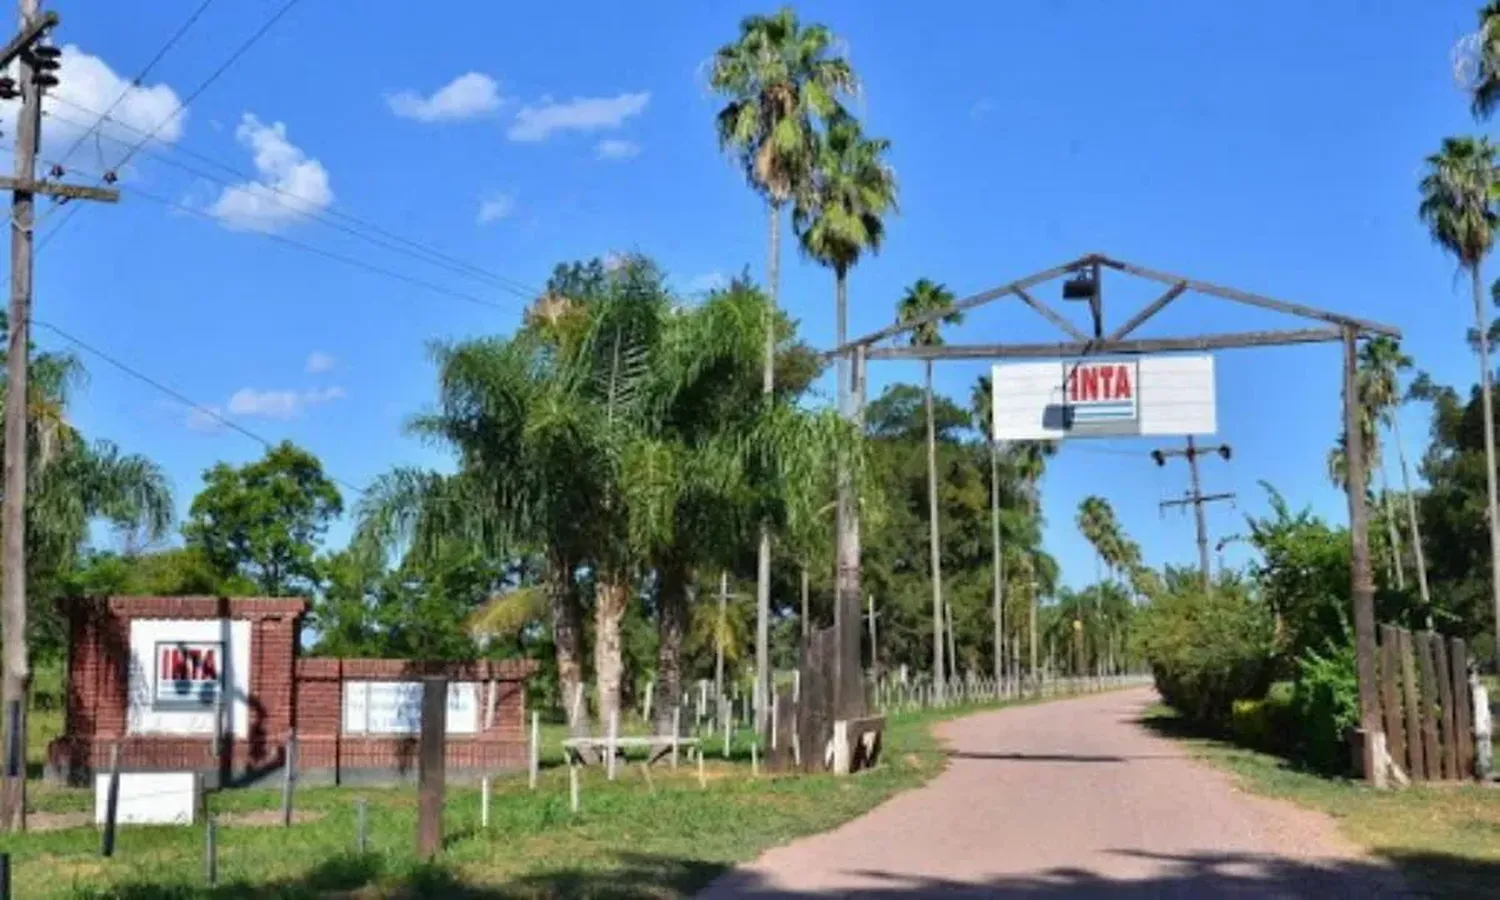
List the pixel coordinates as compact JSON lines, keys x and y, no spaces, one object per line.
{"x":1122,"y":383}
{"x":1107,"y":379}
{"x":1090,"y":390}
{"x":210,"y":667}
{"x":179,"y":665}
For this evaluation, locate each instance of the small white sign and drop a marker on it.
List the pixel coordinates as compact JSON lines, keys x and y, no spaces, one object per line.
{"x":395,"y":707}
{"x":148,"y":798}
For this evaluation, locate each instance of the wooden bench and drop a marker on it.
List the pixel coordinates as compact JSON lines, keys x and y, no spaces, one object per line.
{"x":657,"y":745}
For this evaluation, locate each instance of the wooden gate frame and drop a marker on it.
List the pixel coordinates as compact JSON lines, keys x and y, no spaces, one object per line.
{"x":1334,"y":327}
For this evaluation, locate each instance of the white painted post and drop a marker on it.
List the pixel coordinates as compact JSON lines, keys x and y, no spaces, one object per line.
{"x":774,"y":705}
{"x":614,"y":734}
{"x":572,"y":783}
{"x":646,"y":707}
{"x":754,"y":758}
{"x":536,"y":747}
{"x":1484,"y":759}
{"x":577,"y":709}
{"x":484,"y":802}
{"x":724,"y":716}
{"x":702,"y":779}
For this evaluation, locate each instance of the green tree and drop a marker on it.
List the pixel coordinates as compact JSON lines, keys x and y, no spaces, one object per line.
{"x":1485,"y":91}
{"x":1381,"y":365}
{"x":982,"y":408}
{"x":838,"y":218}
{"x":923,"y":298}
{"x":1458,"y":207}
{"x":779,"y":77}
{"x":263,"y":520}
{"x":1031,"y":463}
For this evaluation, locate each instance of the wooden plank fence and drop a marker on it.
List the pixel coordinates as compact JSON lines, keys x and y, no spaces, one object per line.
{"x":1425,"y":704}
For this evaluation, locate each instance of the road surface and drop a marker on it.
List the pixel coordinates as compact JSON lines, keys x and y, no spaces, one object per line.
{"x":1071,"y":798}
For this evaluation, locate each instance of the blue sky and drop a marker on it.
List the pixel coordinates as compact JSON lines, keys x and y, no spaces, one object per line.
{"x":1274,"y":147}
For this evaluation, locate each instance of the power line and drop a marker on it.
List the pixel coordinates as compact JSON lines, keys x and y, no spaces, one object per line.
{"x":330,"y":254}
{"x":333,"y":218}
{"x":182,"y":107}
{"x":172,"y":392}
{"x":139,"y":76}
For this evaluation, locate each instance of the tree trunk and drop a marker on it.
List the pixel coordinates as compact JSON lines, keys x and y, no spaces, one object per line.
{"x":932,"y":536}
{"x":672,"y":611}
{"x":1411,"y":520}
{"x":610,"y":598}
{"x":763,"y":550}
{"x":1489,"y":448}
{"x":723,"y":626}
{"x":567,"y":639}
{"x":848,"y":591}
{"x":997,"y":571}
{"x":1392,"y":533}
{"x":806,"y":621}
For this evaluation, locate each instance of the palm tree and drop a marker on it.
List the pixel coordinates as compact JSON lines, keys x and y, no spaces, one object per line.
{"x":982,"y":408}
{"x":923,"y":298}
{"x":1030,"y":464}
{"x":778,"y":77}
{"x":1458,"y":207}
{"x":838,"y":218}
{"x":1381,"y":365}
{"x":1485,"y":91}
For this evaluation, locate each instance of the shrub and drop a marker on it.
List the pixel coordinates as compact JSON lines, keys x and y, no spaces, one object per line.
{"x":1325,"y":706}
{"x":1268,"y":724}
{"x":1208,"y":649}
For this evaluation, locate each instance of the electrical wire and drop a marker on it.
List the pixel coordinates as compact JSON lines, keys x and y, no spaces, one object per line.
{"x":332,"y":218}
{"x":213,"y":76}
{"x":172,"y":392}
{"x":139,"y":77}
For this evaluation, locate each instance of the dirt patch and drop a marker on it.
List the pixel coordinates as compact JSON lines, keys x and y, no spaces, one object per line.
{"x":264,"y":818}
{"x":43,"y":821}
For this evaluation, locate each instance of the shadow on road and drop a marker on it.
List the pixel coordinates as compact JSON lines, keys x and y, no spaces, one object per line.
{"x":642,"y":875}
{"x":1060,"y":757}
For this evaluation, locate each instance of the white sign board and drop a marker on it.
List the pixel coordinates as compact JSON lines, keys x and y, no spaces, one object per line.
{"x":183,"y":672}
{"x":148,"y":798}
{"x":395,"y":707}
{"x":1149,"y":395}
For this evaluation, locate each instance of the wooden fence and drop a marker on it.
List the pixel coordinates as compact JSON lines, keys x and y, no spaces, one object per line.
{"x":1423,"y":679}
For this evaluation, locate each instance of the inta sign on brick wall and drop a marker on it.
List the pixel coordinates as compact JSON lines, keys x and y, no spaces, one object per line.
{"x":1149,"y":395}
{"x":189,"y":674}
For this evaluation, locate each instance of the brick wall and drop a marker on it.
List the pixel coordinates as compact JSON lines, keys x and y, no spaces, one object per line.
{"x":285,"y":692}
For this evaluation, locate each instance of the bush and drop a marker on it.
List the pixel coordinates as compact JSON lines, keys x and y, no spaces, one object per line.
{"x":1325,"y":706}
{"x":1268,"y":724}
{"x":1208,"y":649}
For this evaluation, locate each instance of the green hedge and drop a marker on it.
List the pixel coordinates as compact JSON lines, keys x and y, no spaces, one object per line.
{"x":1209,"y":649}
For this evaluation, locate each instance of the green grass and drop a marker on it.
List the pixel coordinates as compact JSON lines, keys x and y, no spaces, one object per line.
{"x":1446,"y":837}
{"x":666,"y":838}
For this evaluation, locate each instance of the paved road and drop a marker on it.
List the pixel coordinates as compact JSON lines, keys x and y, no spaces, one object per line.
{"x":1070,"y":799}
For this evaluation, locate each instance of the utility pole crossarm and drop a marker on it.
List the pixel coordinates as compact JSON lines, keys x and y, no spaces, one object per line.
{"x":1190,"y":500}
{"x":59,"y":189}
{"x":26,"y":37}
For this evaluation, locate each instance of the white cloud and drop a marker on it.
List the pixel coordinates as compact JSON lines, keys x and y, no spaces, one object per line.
{"x":318,"y":361}
{"x":614,"y":148}
{"x":495,"y":207}
{"x":88,"y":88}
{"x":469,"y":95}
{"x":287,"y":404}
{"x":290,"y":185}
{"x":537,"y":123}
{"x":708,"y":281}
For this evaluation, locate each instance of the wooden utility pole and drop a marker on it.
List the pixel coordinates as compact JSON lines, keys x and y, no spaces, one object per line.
{"x":35,"y":67}
{"x":1195,"y":496}
{"x":1361,"y":580}
{"x":432,"y":767}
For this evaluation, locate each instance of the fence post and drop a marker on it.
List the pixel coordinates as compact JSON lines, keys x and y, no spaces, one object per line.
{"x":210,"y":853}
{"x":111,"y":803}
{"x":431,"y":767}
{"x":1417,"y":765}
{"x":536,"y":747}
{"x":572,"y":784}
{"x":359,"y":826}
{"x":289,"y":779}
{"x":1483,"y":728}
{"x":1463,"y":734}
{"x":484,"y":802}
{"x":614,"y":735}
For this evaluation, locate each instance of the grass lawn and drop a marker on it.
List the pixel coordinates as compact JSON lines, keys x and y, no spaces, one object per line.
{"x":668,"y":837}
{"x":1446,"y":836}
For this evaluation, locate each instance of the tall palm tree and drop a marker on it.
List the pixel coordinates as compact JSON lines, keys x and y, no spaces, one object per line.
{"x":1381,"y":364}
{"x":778,"y":76}
{"x":1458,"y":207}
{"x":982,"y":408}
{"x":923,"y":298}
{"x":837,"y":219}
{"x":1485,"y":89}
{"x":1030,"y":464}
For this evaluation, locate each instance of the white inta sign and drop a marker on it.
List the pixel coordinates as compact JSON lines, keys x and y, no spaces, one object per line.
{"x":1149,"y":395}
